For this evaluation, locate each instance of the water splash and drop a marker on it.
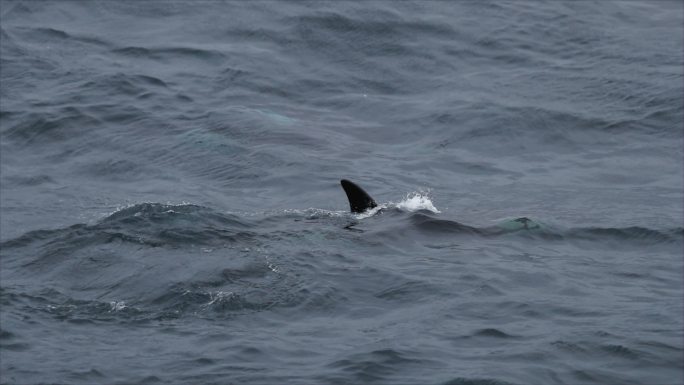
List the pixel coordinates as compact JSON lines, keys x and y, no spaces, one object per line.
{"x":417,"y":201}
{"x":414,"y":201}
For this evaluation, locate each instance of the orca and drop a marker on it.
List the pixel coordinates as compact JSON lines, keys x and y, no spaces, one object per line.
{"x":359,"y":200}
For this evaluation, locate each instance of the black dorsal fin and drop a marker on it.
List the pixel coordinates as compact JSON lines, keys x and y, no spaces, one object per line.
{"x":359,"y":200}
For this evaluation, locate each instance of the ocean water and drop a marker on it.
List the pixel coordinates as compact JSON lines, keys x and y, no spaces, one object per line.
{"x":171,"y":211}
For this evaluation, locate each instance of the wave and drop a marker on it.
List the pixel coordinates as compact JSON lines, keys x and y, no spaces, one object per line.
{"x":151,"y":224}
{"x":154,"y":261}
{"x":44,"y":128}
{"x":155,"y":225}
{"x":170,"y":53}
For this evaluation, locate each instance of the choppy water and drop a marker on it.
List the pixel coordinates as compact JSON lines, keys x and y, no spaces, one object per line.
{"x":171,"y":209}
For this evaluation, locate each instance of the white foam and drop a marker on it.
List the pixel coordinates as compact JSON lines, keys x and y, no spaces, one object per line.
{"x":414,"y":201}
{"x":117,"y":306}
{"x":371,"y":212}
{"x":417,"y":201}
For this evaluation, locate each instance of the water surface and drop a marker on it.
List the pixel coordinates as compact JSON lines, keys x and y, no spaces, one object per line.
{"x":171,"y":210}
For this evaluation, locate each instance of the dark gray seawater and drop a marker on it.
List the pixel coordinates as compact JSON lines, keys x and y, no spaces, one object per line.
{"x":172,"y":214}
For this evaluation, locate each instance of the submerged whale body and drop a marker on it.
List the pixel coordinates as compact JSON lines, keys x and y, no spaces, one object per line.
{"x":359,"y":200}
